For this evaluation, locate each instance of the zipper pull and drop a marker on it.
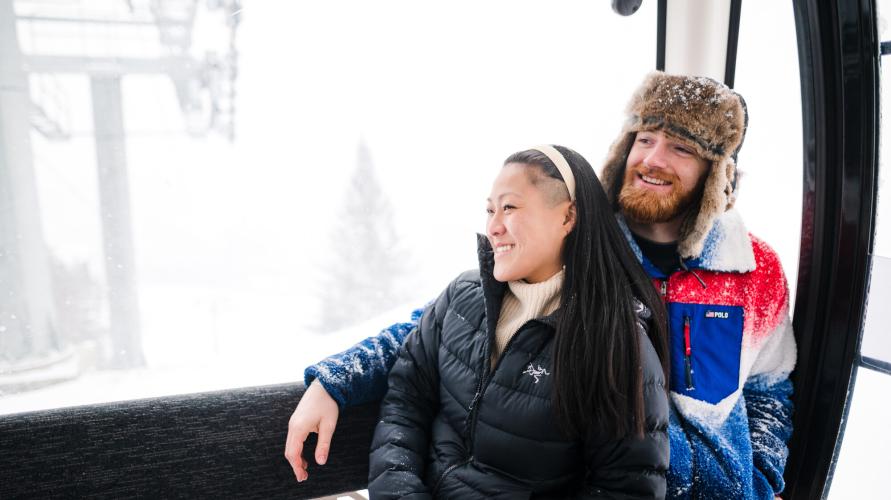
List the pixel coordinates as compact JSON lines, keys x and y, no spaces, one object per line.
{"x":473,"y":401}
{"x":684,"y":267}
{"x":688,"y":354}
{"x":663,"y":289}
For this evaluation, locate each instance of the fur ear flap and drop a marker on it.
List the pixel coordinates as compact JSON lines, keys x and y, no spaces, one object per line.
{"x":733,"y":185}
{"x":717,"y":197}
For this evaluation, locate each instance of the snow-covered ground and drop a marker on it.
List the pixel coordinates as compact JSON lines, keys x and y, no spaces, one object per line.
{"x":200,"y":340}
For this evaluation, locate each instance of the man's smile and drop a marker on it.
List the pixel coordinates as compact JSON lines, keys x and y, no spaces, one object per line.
{"x":653,"y":180}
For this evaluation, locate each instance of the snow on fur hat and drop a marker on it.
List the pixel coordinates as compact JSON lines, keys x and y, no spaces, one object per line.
{"x":701,"y":112}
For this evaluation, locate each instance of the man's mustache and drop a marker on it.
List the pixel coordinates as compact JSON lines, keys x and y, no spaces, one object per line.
{"x":656,"y":173}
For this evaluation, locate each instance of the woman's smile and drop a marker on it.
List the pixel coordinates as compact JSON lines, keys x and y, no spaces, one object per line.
{"x":502,"y":249}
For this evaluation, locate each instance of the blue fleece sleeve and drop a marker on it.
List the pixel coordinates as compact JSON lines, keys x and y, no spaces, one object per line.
{"x":769,"y":408}
{"x":359,"y":374}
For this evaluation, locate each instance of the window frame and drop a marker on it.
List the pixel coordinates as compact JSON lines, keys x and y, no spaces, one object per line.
{"x":839,"y":68}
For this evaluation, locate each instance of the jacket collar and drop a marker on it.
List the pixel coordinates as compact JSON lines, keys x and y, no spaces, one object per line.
{"x":727,"y":248}
{"x":494,"y":290}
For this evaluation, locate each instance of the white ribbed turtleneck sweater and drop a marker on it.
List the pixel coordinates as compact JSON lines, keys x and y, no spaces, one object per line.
{"x":523,"y":302}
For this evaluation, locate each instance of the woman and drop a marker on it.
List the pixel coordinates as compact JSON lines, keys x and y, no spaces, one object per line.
{"x":537,"y":375}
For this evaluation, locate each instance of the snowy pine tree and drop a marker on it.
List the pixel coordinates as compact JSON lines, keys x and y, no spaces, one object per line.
{"x":365,"y":265}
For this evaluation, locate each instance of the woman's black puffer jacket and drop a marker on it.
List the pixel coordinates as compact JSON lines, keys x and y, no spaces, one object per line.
{"x":453,"y":427}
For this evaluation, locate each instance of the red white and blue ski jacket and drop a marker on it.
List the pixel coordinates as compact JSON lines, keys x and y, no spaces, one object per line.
{"x":732,"y":350}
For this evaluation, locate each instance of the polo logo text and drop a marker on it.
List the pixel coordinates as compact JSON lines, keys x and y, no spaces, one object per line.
{"x":537,"y":372}
{"x":717,"y":314}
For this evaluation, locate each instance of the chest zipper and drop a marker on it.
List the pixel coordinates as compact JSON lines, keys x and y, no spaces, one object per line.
{"x":470,"y":427}
{"x":473,"y":409}
{"x":685,"y":268}
{"x":663,"y":289}
{"x":688,"y":355}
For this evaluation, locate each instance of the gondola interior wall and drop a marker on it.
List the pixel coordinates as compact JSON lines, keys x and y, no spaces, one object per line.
{"x":176,"y":184}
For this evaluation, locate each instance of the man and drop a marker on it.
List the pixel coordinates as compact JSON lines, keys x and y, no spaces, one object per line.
{"x":672,"y":177}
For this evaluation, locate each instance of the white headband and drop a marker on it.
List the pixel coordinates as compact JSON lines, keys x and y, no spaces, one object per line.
{"x":562,"y":166}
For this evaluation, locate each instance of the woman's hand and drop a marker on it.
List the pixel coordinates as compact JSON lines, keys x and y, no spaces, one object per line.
{"x":317,"y":412}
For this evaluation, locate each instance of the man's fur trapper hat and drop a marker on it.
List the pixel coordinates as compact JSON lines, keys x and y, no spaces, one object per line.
{"x":700,"y":112}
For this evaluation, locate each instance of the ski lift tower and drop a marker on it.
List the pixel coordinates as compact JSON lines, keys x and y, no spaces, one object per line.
{"x":159,"y":41}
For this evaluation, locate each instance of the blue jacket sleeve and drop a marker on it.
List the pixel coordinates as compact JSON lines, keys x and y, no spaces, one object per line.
{"x":769,"y":408}
{"x":358,"y":375}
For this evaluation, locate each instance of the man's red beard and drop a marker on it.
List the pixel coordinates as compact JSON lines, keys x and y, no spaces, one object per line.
{"x":646,"y":206}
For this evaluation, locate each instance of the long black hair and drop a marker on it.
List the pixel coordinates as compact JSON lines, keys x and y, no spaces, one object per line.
{"x":598,"y":378}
